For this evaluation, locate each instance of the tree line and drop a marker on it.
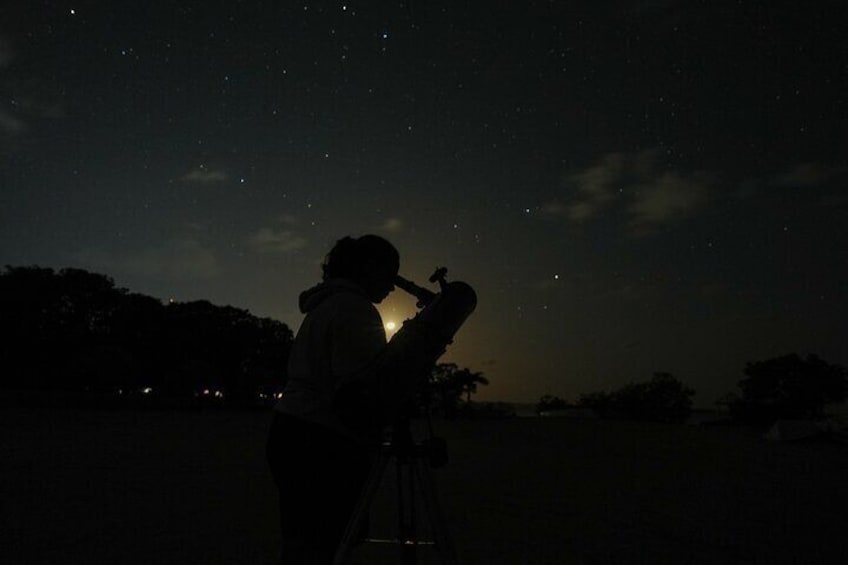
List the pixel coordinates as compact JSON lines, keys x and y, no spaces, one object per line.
{"x":75,"y":331}
{"x":785,"y":387}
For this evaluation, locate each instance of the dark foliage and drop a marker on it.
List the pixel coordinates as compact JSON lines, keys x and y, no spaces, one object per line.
{"x":662,"y":399}
{"x":448,"y":385}
{"x":486,"y":411}
{"x":75,"y":331}
{"x":788,"y":387}
{"x":549,"y":402}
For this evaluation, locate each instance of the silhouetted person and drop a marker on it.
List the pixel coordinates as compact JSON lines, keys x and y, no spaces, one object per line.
{"x":318,"y":459}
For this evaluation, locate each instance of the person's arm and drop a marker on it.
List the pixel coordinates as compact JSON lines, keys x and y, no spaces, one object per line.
{"x":378,"y":389}
{"x":357,"y":338}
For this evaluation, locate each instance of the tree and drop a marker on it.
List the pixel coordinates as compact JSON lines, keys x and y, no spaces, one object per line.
{"x":443,"y":393}
{"x":221,"y":346}
{"x":662,"y":399}
{"x":467,"y":382}
{"x":447,"y":386}
{"x":599,"y":402}
{"x":49,"y":319}
{"x":789,"y":387}
{"x":74,"y":330}
{"x":549,"y":402}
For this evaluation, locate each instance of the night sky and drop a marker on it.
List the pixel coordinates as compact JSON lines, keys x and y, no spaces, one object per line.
{"x":630,"y":186}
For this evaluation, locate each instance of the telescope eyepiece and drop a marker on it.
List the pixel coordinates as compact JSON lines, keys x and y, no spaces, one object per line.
{"x":439,"y":275}
{"x":423,"y":295}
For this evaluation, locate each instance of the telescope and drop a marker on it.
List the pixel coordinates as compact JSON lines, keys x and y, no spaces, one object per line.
{"x":445,"y":311}
{"x":403,"y":368}
{"x":383,"y":391}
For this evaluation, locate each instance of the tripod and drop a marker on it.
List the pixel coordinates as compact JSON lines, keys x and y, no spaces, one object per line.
{"x":414,"y":464}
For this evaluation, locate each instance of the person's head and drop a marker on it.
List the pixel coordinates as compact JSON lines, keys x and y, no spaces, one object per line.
{"x":370,"y":261}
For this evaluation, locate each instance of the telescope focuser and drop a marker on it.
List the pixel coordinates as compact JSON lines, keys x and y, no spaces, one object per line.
{"x":424,"y":296}
{"x":439,"y":276}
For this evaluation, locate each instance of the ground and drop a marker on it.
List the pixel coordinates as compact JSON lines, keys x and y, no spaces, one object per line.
{"x":120,"y":486}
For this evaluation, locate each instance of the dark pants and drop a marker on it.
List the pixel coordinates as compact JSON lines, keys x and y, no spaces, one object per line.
{"x":319,"y":476}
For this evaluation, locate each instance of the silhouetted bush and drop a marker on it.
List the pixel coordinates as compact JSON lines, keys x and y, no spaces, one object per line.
{"x":662,"y":399}
{"x":549,"y":402}
{"x":448,"y":384}
{"x":788,"y":387}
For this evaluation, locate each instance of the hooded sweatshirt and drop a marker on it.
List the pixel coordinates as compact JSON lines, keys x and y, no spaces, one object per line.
{"x":340,"y":337}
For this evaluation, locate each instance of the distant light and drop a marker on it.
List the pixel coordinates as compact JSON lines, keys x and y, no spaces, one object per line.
{"x":391,"y":326}
{"x":146,"y":390}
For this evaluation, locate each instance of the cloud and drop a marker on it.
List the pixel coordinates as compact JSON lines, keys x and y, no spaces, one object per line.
{"x":289,"y":220}
{"x":204,"y":175}
{"x":601,"y":185}
{"x":553,"y":208}
{"x":6,"y":52}
{"x":595,"y":186}
{"x":271,"y":240}
{"x":629,"y":9}
{"x":806,"y":174}
{"x":667,"y":198}
{"x":392,"y":225}
{"x":181,"y":258}
{"x":27,"y":98}
{"x":11,"y":125}
{"x":650,"y":195}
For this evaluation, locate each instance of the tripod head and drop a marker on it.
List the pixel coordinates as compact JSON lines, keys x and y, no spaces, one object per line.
{"x":402,"y":444}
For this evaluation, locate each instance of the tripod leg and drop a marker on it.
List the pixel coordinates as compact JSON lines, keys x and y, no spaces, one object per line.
{"x":361,"y":510}
{"x":427,"y":484}
{"x":406,"y":511}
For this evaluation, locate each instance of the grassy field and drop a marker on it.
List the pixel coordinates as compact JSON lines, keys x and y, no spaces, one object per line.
{"x":130,"y":487}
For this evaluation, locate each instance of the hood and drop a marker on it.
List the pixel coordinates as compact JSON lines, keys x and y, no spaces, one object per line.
{"x":311,"y":298}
